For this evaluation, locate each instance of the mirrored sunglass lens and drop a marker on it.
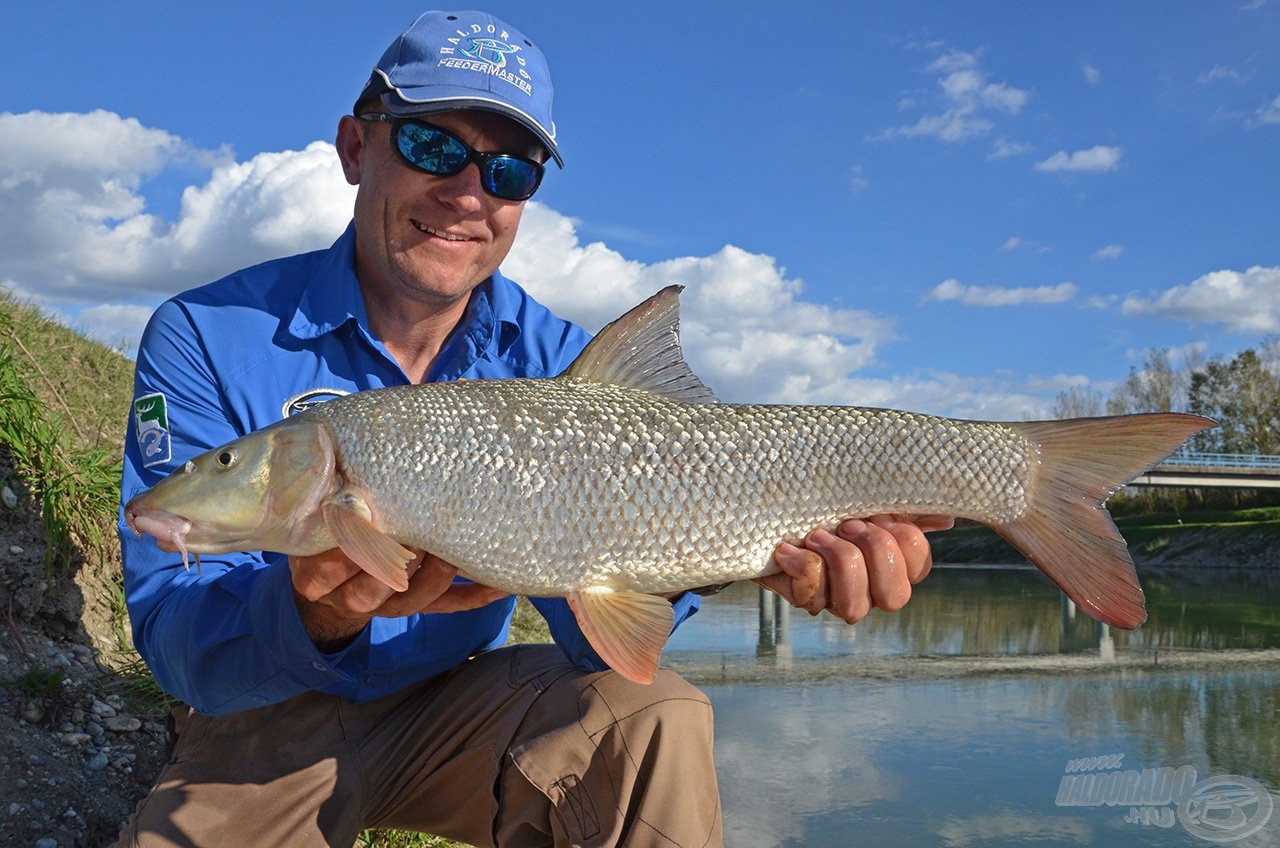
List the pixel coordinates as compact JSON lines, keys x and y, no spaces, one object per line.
{"x":511,"y":179}
{"x":431,"y":150}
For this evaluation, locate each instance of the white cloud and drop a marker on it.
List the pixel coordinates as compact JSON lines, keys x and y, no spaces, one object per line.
{"x":1003,"y":148}
{"x":1217,"y":72}
{"x":1268,"y":113}
{"x":990,"y":296}
{"x":76,"y":238}
{"x":1096,"y":160}
{"x":1092,"y":75}
{"x":1240,"y":301}
{"x":1111,"y":251}
{"x":73,"y":218}
{"x":968,"y":101}
{"x":1011,"y":244}
{"x":745,"y":328}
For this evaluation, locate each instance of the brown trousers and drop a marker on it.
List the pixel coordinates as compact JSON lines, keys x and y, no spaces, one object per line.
{"x":514,"y":748}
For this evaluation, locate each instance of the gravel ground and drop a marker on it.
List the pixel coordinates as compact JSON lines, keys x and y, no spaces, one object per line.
{"x":77,"y":751}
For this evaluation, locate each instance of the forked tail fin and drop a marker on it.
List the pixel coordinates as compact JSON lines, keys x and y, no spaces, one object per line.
{"x":1067,"y":532}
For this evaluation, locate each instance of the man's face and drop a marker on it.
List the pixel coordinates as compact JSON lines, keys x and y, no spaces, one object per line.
{"x":428,"y":238}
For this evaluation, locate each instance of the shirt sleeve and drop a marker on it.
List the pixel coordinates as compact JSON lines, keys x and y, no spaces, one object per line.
{"x":222,"y":632}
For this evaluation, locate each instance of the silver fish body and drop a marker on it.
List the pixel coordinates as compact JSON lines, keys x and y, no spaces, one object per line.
{"x":542,"y":487}
{"x":623,"y":479}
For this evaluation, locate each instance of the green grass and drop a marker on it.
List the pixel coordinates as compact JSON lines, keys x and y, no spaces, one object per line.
{"x":62,"y":406}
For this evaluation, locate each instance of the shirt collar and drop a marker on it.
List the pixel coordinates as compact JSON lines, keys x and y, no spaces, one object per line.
{"x":331,"y":298}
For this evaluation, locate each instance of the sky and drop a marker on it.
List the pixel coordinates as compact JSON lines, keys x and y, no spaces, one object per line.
{"x":962,"y":208}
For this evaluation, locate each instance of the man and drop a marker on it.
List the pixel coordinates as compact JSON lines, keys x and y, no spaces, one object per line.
{"x":323,"y":702}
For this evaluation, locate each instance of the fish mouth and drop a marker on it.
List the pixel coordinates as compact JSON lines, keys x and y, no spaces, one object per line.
{"x":170,"y":530}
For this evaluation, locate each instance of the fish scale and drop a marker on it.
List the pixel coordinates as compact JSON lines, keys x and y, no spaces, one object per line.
{"x":587,"y":484}
{"x":622,"y":480}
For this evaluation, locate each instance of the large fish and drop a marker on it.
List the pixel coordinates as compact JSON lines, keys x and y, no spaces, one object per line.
{"x":623,"y":478}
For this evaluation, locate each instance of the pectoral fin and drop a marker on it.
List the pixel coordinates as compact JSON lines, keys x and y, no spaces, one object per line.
{"x":350,"y":521}
{"x":627,"y":629}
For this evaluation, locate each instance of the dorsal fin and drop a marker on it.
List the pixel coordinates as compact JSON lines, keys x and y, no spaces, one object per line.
{"x":641,"y":350}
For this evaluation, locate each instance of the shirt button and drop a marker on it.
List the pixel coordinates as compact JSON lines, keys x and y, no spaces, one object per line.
{"x":319,"y":666}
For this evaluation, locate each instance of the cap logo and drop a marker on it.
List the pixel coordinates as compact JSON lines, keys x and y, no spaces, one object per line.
{"x":485,"y":50}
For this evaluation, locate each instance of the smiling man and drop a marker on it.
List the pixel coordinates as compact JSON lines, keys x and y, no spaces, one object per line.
{"x":321,"y":702}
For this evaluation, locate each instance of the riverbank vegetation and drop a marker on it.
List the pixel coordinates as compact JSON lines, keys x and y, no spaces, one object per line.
{"x":1241,"y":393}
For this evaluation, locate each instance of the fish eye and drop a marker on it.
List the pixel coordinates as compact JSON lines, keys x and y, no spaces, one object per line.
{"x":226,"y":458}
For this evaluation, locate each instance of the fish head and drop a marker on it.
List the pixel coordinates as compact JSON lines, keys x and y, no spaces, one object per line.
{"x":260,"y":492}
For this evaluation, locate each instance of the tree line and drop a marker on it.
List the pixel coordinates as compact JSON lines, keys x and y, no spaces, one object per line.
{"x":1241,"y":393}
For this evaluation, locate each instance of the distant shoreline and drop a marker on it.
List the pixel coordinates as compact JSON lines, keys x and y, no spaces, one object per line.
{"x":1191,"y":540}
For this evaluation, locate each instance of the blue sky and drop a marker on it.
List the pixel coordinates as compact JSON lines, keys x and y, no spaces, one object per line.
{"x":962,"y":208}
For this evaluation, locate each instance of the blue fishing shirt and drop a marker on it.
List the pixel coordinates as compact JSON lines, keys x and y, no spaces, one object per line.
{"x":233,"y":356}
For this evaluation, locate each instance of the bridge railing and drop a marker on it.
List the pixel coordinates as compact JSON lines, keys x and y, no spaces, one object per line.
{"x":1223,"y":460}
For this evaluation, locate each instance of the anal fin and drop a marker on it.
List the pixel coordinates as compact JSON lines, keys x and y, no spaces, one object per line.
{"x":627,"y":629}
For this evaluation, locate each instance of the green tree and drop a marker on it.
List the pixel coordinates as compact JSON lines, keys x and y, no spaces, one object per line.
{"x":1243,"y":395}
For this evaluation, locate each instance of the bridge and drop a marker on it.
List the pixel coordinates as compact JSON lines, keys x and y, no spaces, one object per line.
{"x":1218,"y":470}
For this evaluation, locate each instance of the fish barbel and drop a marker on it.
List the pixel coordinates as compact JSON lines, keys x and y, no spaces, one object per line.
{"x":623,"y":478}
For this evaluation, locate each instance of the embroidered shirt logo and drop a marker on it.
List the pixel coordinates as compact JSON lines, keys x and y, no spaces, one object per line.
{"x":308,"y":399}
{"x":151,"y":420}
{"x":486,"y":50}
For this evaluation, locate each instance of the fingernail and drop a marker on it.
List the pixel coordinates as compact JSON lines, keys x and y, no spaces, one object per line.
{"x":822,"y":536}
{"x":787,"y":557}
{"x":854,"y":527}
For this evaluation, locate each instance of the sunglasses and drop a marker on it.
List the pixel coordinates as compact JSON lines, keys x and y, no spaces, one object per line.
{"x":441,"y":153}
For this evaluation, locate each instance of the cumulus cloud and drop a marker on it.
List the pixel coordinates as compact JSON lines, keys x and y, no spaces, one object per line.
{"x":967,"y":104}
{"x":745,"y":326}
{"x":1098,"y":159}
{"x":988,"y":296}
{"x":76,"y":237}
{"x":1111,"y":251}
{"x":1239,"y":301}
{"x":73,"y":217}
{"x":1092,"y":75}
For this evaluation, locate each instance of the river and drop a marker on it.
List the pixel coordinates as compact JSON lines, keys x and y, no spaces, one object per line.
{"x":988,"y":712}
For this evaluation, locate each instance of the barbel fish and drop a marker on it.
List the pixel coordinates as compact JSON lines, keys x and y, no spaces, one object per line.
{"x":623,"y":478}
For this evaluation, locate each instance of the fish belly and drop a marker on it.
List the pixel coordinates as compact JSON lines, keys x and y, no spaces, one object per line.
{"x":542,"y":487}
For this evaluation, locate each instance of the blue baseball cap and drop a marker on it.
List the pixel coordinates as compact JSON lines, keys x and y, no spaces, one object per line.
{"x":465,"y":60}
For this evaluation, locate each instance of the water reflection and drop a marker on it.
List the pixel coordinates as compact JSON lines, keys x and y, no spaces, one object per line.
{"x":991,"y":611}
{"x":814,"y":750}
{"x":978,"y":761}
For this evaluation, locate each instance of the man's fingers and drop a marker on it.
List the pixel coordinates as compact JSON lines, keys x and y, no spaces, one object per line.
{"x":846,"y":570}
{"x":465,"y":596}
{"x":916,"y":553}
{"x":801,"y":582}
{"x":317,"y":575}
{"x":888,"y":583}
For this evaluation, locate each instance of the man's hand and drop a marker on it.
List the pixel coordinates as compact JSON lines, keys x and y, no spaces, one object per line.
{"x":863,"y":564}
{"x":336,"y":598}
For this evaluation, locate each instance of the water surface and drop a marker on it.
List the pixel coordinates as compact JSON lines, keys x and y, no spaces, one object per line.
{"x":813,"y":749}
